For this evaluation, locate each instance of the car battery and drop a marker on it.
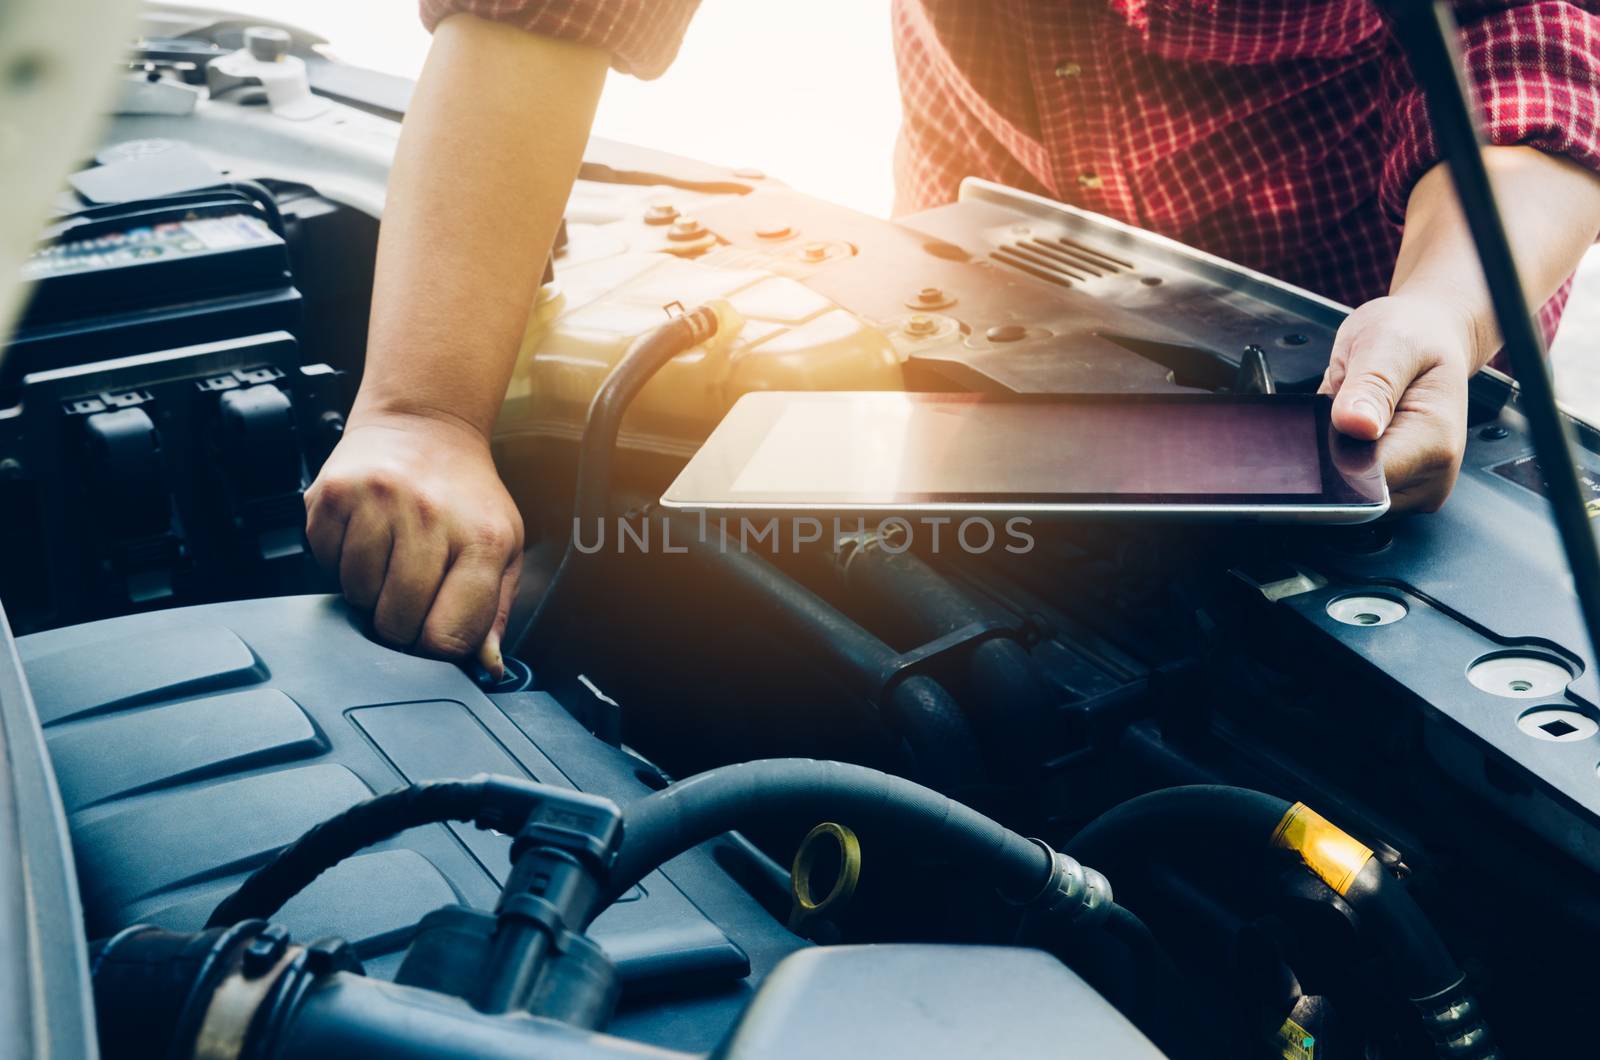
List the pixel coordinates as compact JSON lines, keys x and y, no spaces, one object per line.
{"x":152,"y":275}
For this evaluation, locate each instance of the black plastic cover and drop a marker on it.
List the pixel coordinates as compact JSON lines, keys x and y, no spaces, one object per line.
{"x":191,"y":744}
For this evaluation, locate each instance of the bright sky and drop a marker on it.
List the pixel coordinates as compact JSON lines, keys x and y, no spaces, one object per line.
{"x":803,"y":91}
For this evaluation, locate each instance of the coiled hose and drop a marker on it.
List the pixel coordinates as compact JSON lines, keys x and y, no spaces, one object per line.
{"x":669,"y":822}
{"x":1238,"y":823}
{"x":501,"y":803}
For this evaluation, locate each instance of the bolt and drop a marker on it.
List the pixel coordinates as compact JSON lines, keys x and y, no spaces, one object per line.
{"x":814,"y":251}
{"x":921,"y":324}
{"x":1006,"y":333}
{"x":1494,"y":432}
{"x":686,"y":228}
{"x":774,"y":230}
{"x":660,"y":213}
{"x":930,"y":298}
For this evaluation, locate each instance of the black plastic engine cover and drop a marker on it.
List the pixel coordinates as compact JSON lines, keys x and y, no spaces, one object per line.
{"x":191,"y":744}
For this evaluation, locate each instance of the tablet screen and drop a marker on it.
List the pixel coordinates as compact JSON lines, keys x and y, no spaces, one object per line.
{"x":883,"y":450}
{"x":889,"y":448}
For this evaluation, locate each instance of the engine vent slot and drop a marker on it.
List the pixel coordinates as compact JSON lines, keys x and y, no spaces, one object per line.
{"x":1063,"y":262}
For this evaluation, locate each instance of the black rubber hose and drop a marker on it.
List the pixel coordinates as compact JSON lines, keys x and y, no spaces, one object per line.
{"x":861,"y":658}
{"x":661,"y":826}
{"x":1421,"y":965}
{"x":501,"y":803}
{"x":1124,"y":963}
{"x":1010,"y":701}
{"x":598,"y":449}
{"x":1235,"y":822}
{"x":936,"y":733}
{"x":918,"y":709}
{"x":1237,"y":825}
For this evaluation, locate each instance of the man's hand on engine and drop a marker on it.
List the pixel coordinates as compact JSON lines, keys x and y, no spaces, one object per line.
{"x":411,"y":513}
{"x":1399,"y":372}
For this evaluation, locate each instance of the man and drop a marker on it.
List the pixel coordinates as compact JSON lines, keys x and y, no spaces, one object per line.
{"x":1284,"y":134}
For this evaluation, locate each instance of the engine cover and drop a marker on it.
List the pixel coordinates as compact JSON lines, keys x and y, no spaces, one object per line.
{"x":191,"y":744}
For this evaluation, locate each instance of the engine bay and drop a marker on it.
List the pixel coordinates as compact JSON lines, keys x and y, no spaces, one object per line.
{"x":1409,"y":706}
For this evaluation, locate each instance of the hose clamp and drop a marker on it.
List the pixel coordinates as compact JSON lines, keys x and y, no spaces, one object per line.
{"x":225,"y":1028}
{"x":1074,"y":891}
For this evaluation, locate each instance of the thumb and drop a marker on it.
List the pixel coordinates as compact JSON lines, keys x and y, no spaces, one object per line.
{"x":1375,"y":376}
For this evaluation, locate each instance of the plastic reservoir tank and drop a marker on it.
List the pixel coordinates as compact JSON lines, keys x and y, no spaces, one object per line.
{"x":619,"y":278}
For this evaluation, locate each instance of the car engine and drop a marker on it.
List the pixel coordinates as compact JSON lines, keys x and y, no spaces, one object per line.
{"x":1137,"y":789}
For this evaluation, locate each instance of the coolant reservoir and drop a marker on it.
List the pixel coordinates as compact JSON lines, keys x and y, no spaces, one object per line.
{"x":779,"y":335}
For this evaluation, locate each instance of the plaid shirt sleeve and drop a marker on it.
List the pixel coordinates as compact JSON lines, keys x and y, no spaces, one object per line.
{"x":642,"y":36}
{"x":1535,"y":66}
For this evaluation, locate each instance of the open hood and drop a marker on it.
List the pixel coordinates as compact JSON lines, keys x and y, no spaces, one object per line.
{"x":56,"y":68}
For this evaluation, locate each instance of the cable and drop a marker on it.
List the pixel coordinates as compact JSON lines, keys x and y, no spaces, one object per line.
{"x":1218,"y":823}
{"x":661,"y":826}
{"x":92,"y":220}
{"x":1428,"y":33}
{"x":500,"y":803}
{"x":262,"y":198}
{"x":597,"y":451}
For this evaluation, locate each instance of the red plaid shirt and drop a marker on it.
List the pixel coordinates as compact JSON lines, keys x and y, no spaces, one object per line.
{"x":1281,"y":134}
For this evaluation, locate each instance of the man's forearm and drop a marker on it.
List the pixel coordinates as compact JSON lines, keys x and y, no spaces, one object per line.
{"x":1551,"y":208}
{"x":1400,"y":365}
{"x":490,"y":146}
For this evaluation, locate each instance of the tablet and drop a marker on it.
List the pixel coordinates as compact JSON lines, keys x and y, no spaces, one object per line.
{"x":1256,"y":458}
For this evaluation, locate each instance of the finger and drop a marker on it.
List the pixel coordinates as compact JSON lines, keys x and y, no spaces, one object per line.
{"x":364,"y":557}
{"x":1419,"y":465}
{"x":464,"y":611}
{"x":325,"y":529}
{"x":491,"y":655}
{"x":412,"y":581}
{"x":510,"y":582}
{"x":1376,"y":374}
